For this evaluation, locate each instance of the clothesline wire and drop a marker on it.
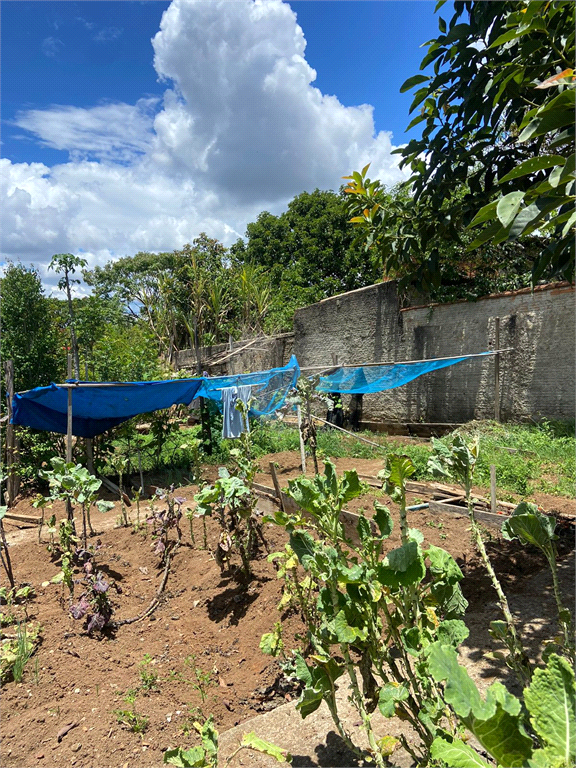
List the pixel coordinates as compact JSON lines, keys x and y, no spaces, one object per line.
{"x":401,"y":362}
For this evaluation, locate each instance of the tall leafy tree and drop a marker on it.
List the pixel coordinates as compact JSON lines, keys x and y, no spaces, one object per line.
{"x":66,"y":264}
{"x":28,"y":334}
{"x":497,"y":110}
{"x":308,"y":252}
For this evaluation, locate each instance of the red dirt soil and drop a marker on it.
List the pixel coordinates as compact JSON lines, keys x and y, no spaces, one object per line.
{"x":205,"y":617}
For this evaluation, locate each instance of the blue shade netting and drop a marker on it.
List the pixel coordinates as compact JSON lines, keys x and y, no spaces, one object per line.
{"x":377,"y":378}
{"x":99,"y":407}
{"x":269,"y":388}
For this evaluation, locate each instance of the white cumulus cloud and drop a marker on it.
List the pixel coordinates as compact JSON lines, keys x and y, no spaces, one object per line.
{"x":241,"y":128}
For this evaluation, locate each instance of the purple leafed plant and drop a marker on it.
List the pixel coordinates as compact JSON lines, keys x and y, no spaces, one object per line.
{"x":164,"y":520}
{"x":94,"y":604}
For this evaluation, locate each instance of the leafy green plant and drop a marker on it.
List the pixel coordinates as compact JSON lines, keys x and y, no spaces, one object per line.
{"x":457,"y":461}
{"x":538,"y":732}
{"x":233,"y":502}
{"x":201,"y":680}
{"x":532,"y":527}
{"x":16,"y":652}
{"x":207,"y":755}
{"x":132,"y":720}
{"x":148,"y":676}
{"x":376,"y":612}
{"x":73,"y":483}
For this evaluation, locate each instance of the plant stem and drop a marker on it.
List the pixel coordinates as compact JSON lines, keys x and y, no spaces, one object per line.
{"x":359,"y":701}
{"x":6,"y":562}
{"x":566,"y":626}
{"x":519,"y":658}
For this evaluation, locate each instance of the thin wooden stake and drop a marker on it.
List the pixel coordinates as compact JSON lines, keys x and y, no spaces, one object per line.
{"x":493,"y":488}
{"x":276,"y":484}
{"x":302,"y":446}
{"x":69,"y":510}
{"x":11,"y":479}
{"x":497,"y":369}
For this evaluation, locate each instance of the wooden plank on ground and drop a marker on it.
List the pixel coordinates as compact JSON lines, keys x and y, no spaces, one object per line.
{"x":28,"y":519}
{"x":487,"y":518}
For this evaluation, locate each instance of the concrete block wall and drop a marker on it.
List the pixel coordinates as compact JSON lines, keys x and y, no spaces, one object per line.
{"x":371,"y":325}
{"x":256,"y":354}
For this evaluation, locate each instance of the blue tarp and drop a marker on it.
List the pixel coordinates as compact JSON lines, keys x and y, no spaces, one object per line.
{"x":99,"y":407}
{"x":377,"y":378}
{"x":269,"y":388}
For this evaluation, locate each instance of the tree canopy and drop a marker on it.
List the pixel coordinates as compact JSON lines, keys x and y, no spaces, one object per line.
{"x":29,"y":333}
{"x":497,"y":145}
{"x":309,"y":253}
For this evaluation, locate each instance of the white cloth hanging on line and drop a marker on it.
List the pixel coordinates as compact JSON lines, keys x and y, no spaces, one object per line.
{"x":234,"y":423}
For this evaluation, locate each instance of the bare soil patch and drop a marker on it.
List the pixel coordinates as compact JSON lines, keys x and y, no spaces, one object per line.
{"x":207,"y":621}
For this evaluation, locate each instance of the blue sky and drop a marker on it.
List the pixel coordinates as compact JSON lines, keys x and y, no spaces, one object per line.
{"x":127,"y":130}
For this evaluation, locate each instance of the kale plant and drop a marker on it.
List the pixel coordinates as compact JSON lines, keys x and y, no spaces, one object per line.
{"x":233,"y":502}
{"x":371,"y":614}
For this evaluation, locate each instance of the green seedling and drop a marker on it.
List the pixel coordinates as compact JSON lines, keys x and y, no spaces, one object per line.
{"x":148,"y":676}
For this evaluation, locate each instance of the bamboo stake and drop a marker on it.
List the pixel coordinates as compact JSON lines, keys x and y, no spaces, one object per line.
{"x":10,"y":481}
{"x":302,"y":446}
{"x":276,"y":485}
{"x":497,"y":370}
{"x":493,"y":489}
{"x":69,"y":510}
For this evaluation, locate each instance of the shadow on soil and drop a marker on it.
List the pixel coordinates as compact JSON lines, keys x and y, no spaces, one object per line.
{"x":527,"y":582}
{"x":232,"y":602}
{"x":333,"y":754}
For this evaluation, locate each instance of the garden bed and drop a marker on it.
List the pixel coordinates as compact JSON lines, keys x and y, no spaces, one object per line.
{"x":202,"y":641}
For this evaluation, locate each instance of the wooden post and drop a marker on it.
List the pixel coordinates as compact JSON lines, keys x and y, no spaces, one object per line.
{"x":69,"y":510}
{"x":11,"y":489}
{"x":276,"y":485}
{"x":497,"y":369}
{"x":493,"y":489}
{"x":206,"y":430}
{"x":302,"y":446}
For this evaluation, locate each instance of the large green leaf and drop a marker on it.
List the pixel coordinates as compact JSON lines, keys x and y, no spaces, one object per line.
{"x":254,"y":742}
{"x":306,"y":494}
{"x":383,"y":519}
{"x":460,"y":691}
{"x":530,"y":526}
{"x":331,"y":478}
{"x":532,"y":165}
{"x":443,"y":565}
{"x":309,"y":701}
{"x":456,"y":754}
{"x":350,"y":487}
{"x":389,"y":694}
{"x":403,"y":566}
{"x":185,"y":758}
{"x":304,"y":547}
{"x":344,"y":632}
{"x":495,"y":721}
{"x":452,"y":632}
{"x":508,"y":206}
{"x":551,"y":702}
{"x":412,"y":81}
